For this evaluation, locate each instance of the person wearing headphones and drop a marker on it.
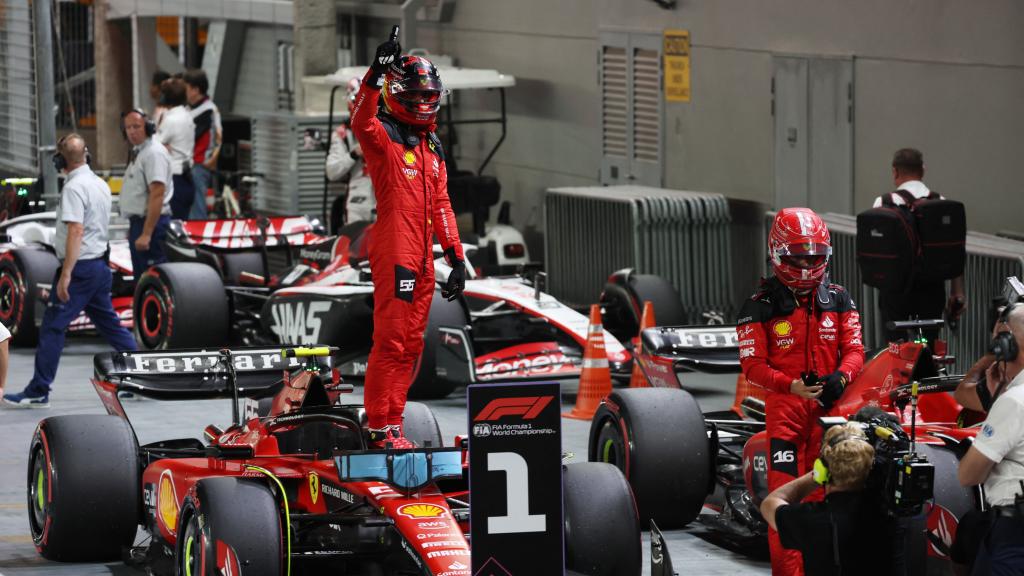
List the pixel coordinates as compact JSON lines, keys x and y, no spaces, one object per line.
{"x":84,"y":279}
{"x":996,"y":458}
{"x":848,"y":532}
{"x":146,"y":194}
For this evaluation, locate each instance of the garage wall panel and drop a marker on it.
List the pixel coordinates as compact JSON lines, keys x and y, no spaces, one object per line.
{"x":257,"y":84}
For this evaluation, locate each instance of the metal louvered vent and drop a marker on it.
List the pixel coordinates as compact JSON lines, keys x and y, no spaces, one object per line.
{"x":293,"y":180}
{"x":646,"y":97}
{"x":613,"y":100}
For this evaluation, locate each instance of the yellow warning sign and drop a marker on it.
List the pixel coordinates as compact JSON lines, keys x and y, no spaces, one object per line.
{"x":676,"y":50}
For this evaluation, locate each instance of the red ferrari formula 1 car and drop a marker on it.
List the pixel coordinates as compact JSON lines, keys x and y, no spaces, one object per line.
{"x":717,"y":462}
{"x":293,"y":492}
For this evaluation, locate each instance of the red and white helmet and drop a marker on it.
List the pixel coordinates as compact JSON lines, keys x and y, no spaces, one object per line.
{"x":799,"y":247}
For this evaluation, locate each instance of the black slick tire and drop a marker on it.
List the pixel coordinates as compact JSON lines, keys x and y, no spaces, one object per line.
{"x":241,"y":513}
{"x":84,"y":502}
{"x":420,"y":425}
{"x":234,"y":263}
{"x":21,"y":273}
{"x":656,"y":436}
{"x":602,"y":531}
{"x":623,"y":300}
{"x":180,"y":305}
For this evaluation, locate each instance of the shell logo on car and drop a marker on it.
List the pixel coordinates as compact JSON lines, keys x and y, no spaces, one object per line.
{"x":421,"y":511}
{"x":783,"y":328}
{"x":168,"y":502}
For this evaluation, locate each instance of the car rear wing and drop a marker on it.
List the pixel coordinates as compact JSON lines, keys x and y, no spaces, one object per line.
{"x":194,"y":374}
{"x":698,"y":348}
{"x":242,"y":233}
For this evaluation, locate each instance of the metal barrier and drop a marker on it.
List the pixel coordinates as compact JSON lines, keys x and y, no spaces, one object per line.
{"x":18,"y":128}
{"x":681,"y":236}
{"x":990,"y":259}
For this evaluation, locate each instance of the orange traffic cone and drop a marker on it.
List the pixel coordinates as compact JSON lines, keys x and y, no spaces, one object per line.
{"x":637,"y":380}
{"x":595,"y":378}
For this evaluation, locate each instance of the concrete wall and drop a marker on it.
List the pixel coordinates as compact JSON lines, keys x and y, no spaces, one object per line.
{"x":945,"y":76}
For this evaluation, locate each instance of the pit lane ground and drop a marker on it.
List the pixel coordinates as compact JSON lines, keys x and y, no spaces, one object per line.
{"x":692,"y":549}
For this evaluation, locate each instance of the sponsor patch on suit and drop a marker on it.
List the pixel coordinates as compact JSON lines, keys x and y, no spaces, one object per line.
{"x":405,"y":283}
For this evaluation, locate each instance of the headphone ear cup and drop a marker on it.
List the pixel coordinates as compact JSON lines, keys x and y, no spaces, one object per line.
{"x":1004,"y":347}
{"x":150,"y":127}
{"x":820,"y":471}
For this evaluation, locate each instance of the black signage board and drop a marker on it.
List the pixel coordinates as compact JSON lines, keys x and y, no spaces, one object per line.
{"x":515,"y":479}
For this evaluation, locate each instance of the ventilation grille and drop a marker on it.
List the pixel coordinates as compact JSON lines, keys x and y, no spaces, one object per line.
{"x":613,"y":100}
{"x":646,"y":97}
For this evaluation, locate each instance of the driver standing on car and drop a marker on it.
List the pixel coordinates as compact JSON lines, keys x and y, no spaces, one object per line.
{"x":406,"y":164}
{"x":800,"y":339}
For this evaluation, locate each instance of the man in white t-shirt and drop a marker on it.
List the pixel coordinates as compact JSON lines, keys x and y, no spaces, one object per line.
{"x":177,"y":132}
{"x":997,"y":456}
{"x":926,"y":299}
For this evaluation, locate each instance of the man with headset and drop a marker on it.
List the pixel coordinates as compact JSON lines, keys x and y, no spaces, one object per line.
{"x":848,"y":532}
{"x":146,"y":194}
{"x":997,"y":456}
{"x":83,"y":280}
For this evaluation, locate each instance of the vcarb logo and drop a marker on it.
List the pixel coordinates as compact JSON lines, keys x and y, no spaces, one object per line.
{"x":294,"y":324}
{"x":526,"y":406}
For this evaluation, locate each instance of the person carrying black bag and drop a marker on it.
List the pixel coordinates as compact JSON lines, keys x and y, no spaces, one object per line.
{"x":909,"y":244}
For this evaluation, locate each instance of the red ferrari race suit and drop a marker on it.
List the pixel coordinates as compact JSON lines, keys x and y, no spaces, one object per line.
{"x":406,"y":165}
{"x":780,"y":337}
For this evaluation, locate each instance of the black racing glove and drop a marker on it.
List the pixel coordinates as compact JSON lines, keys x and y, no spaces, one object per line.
{"x":832,"y":387}
{"x":386,"y":55}
{"x":456,"y":281}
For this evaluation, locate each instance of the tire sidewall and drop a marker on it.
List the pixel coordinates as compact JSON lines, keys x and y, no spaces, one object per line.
{"x":153,"y":291}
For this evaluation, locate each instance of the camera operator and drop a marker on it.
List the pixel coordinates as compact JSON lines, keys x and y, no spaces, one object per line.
{"x":849,"y":532}
{"x":997,"y":456}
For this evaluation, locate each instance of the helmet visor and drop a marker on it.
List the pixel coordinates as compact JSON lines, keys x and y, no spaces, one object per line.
{"x":423,"y":83}
{"x":804,"y":262}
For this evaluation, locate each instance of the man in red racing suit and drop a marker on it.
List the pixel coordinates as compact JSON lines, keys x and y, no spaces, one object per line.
{"x":406,"y":165}
{"x":797,"y":324}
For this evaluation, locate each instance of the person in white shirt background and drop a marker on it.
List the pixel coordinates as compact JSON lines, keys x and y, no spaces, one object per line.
{"x":177,"y":132}
{"x":345,"y":158}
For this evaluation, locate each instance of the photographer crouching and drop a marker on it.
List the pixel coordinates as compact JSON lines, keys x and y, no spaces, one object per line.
{"x":850,"y":531}
{"x":996,"y":459}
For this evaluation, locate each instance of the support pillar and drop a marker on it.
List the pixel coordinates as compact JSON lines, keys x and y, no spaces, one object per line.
{"x":114,"y":83}
{"x":316,"y":42}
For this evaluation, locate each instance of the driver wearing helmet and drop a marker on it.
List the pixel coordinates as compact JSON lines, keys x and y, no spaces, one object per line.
{"x":406,"y":163}
{"x":798,"y":325}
